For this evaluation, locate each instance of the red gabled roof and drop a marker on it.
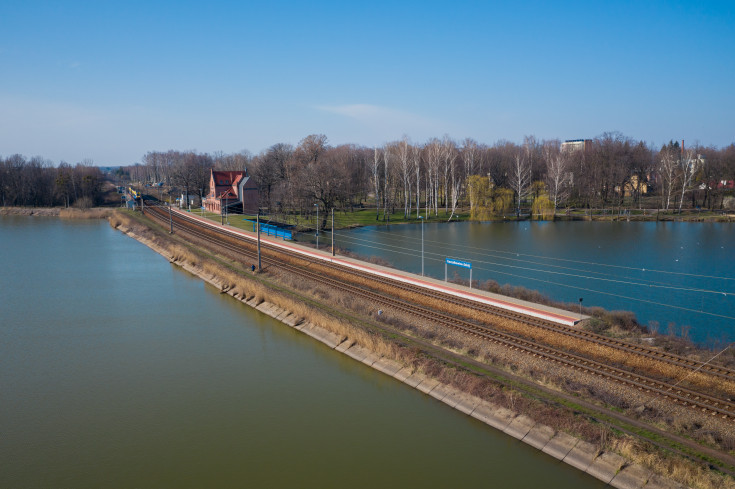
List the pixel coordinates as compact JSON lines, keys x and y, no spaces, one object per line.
{"x":228,"y":194}
{"x":226,"y":190}
{"x":230,"y":176}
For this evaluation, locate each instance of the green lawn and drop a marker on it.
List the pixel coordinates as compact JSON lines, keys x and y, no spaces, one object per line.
{"x":342,"y":220}
{"x":367,"y":217}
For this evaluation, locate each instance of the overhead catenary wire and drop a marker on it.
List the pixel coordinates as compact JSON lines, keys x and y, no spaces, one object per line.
{"x":459,"y":247}
{"x":431,"y":257}
{"x":411,"y":252}
{"x":581,"y":262}
{"x":515,"y":256}
{"x":586,"y":277}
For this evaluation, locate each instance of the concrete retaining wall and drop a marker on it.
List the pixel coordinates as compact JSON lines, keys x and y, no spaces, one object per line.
{"x":605,"y":466}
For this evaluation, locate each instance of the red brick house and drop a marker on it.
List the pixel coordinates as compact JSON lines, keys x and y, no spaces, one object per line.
{"x":235,"y":190}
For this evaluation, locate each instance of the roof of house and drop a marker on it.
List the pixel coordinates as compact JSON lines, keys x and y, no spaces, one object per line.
{"x":227,"y":194}
{"x":226,"y":190}
{"x":231,"y":176}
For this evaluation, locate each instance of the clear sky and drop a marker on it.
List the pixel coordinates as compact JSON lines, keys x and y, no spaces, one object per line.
{"x":112,"y":80}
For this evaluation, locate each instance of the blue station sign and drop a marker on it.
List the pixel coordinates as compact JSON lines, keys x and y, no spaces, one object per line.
{"x":459,"y":263}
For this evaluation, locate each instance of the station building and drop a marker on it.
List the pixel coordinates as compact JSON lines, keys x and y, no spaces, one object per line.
{"x":235,"y":191}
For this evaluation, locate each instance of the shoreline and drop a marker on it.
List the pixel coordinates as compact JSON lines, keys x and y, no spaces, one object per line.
{"x":606,"y":466}
{"x":59,"y":212}
{"x":31,"y":211}
{"x":94,"y":212}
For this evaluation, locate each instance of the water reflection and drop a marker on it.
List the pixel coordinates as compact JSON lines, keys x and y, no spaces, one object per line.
{"x":668,"y":272}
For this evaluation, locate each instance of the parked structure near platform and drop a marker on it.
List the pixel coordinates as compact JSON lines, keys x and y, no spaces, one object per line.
{"x":234,"y":190}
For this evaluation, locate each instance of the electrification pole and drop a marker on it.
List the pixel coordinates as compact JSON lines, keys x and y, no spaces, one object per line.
{"x":317,"y":225}
{"x":258,"y":224}
{"x":422,"y":245}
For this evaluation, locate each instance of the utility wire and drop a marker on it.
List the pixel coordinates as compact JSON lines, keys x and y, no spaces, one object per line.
{"x":625,"y":282}
{"x":638,"y":299}
{"x":642,"y":269}
{"x":701,"y":366}
{"x":637,"y":282}
{"x":391,"y":236}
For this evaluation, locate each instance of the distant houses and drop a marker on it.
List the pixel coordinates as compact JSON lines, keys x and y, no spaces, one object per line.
{"x":571,"y":145}
{"x":232,"y":190}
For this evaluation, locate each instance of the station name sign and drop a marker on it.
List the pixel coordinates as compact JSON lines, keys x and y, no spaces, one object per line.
{"x":459,"y":263}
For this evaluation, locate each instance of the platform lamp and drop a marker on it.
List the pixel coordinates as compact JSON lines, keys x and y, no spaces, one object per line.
{"x":580,"y":308}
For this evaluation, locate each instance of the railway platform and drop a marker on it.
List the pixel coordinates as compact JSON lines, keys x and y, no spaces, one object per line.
{"x":518,"y":306}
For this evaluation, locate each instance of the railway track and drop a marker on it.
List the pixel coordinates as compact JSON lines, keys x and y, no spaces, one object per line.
{"x":683,"y":396}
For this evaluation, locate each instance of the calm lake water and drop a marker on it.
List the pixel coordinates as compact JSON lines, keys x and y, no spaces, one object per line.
{"x":119,"y":370}
{"x":675,"y":273}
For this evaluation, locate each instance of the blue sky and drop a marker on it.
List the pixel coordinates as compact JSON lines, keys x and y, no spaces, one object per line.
{"x":110,"y":81}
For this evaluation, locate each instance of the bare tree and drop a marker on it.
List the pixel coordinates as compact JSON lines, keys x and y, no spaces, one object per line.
{"x":557,"y":172}
{"x":376,"y":180}
{"x":470,"y":157}
{"x":449,"y":155}
{"x":416,"y":158}
{"x":232,"y":162}
{"x":667,"y":171}
{"x":687,"y":167}
{"x":520,"y":180}
{"x":386,"y":194}
{"x":403,"y":150}
{"x":456,"y":178}
{"x":434,"y":154}
{"x":642,"y":166}
{"x":269,"y":170}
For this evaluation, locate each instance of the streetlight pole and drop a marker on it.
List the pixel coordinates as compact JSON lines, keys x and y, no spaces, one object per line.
{"x":332,"y":231}
{"x":422,"y":245}
{"x":317,"y":225}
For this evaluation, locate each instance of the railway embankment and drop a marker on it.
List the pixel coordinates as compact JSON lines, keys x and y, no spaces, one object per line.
{"x":597,"y":459}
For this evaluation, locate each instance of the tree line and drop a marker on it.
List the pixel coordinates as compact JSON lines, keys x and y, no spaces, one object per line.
{"x":39,"y":183}
{"x":437,"y":177}
{"x":441,"y":176}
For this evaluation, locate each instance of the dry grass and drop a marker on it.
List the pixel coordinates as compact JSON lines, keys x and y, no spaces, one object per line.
{"x":29,"y":211}
{"x":616,"y":323}
{"x":92,"y":213}
{"x":693,"y":475}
